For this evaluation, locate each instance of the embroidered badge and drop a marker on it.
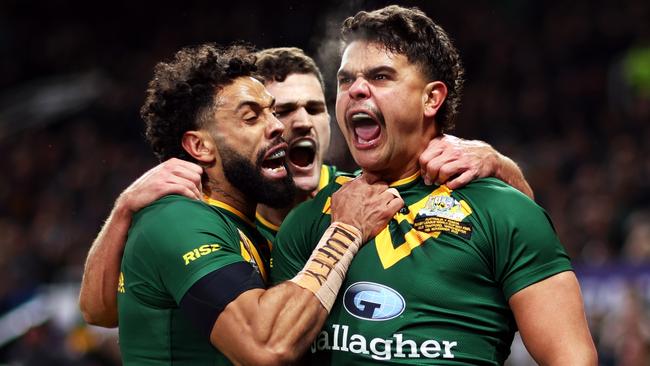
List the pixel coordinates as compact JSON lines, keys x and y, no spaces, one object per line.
{"x":443,"y":213}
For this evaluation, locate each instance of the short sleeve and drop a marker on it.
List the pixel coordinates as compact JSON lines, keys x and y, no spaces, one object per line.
{"x":526,"y":248}
{"x":177,"y":241}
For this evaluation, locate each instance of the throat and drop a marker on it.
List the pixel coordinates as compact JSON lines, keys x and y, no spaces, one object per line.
{"x":276,"y":215}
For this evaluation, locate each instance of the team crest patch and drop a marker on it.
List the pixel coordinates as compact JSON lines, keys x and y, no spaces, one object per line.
{"x":444,"y":214}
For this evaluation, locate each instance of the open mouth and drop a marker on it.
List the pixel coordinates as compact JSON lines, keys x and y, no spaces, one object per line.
{"x":302,"y":153}
{"x":274,"y":162}
{"x":366,"y":129}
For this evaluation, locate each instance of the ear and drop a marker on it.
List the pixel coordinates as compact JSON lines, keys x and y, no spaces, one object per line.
{"x":435,"y":94}
{"x":200,"y":145}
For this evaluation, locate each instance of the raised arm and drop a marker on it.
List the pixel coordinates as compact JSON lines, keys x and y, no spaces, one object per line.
{"x":551,"y":319}
{"x":456,"y":162}
{"x":280,"y":323}
{"x":98,"y":294}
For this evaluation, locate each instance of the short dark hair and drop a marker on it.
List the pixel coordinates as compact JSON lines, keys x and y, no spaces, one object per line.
{"x":410,"y":32}
{"x":183,"y":90}
{"x":275,"y":64}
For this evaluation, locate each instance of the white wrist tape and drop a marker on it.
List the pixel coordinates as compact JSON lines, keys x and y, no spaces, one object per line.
{"x":325,"y":270}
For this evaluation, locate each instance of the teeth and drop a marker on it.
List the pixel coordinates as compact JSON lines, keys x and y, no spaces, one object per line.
{"x":277,"y":155}
{"x":360,"y":116}
{"x":275,"y":169}
{"x":304,"y":143}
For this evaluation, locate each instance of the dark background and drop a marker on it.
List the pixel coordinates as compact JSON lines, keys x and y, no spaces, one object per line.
{"x":561,"y":87}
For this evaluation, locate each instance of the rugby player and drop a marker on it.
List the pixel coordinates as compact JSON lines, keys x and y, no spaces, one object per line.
{"x":192,"y":286}
{"x":457,"y":272}
{"x":294,"y":79}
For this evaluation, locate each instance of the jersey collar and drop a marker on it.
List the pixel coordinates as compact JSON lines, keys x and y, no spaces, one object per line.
{"x":227,"y":207}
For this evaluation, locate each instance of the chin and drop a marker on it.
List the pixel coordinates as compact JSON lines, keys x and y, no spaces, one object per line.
{"x":368,"y":162}
{"x":306,"y":184}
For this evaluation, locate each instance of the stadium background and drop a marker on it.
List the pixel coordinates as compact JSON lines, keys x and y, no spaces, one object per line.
{"x":561,"y":87}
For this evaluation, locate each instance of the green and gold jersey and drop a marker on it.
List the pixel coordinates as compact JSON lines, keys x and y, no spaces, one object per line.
{"x":327,"y":175}
{"x":172,"y":244}
{"x":433,"y":286}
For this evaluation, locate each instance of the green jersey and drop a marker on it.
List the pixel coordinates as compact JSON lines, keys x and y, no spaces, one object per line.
{"x":171,"y":245}
{"x":433,"y":286}
{"x":327,"y":175}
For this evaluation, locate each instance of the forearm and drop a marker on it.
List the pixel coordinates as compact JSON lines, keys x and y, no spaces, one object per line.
{"x":509,"y":172}
{"x":284,"y":320}
{"x":98,"y":294}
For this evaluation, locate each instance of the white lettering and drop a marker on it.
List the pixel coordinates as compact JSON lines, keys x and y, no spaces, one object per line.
{"x":448,"y":346}
{"x":358,"y":344}
{"x":322,"y":343}
{"x":399,"y":344}
{"x":378,"y":354}
{"x":430,"y":346}
{"x":380,"y":348}
{"x":335,"y":345}
{"x":344,"y":348}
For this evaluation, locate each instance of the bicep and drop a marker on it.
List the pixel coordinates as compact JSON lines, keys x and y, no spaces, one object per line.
{"x":551,"y":319}
{"x":279,"y":324}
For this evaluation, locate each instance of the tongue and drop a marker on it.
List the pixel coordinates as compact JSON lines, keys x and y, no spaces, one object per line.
{"x":367,"y":131}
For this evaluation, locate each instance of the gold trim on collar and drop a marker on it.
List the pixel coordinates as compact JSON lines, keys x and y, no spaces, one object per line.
{"x":405,"y":180}
{"x":266,"y":222}
{"x":227,"y":207}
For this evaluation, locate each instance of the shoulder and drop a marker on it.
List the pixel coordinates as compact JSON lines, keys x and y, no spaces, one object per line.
{"x":180,"y":214}
{"x":494,"y":193}
{"x":498,"y":202}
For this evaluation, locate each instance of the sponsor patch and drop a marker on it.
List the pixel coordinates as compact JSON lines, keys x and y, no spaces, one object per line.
{"x":372,"y":301}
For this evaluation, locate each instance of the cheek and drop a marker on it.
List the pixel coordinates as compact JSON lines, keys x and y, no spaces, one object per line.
{"x":322,"y":126}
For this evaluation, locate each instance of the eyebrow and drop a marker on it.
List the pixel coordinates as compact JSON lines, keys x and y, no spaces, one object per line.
{"x":292,"y":105}
{"x":366,"y":72}
{"x":254,"y":104}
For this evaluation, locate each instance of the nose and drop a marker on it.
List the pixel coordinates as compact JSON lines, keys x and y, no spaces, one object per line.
{"x":301,"y":122}
{"x":360,"y":89}
{"x":274,"y":128}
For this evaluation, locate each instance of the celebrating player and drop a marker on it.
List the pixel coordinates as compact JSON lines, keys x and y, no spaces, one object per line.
{"x":452,"y":277}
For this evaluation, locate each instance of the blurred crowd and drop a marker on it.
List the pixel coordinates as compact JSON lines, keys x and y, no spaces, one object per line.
{"x":562,"y":88}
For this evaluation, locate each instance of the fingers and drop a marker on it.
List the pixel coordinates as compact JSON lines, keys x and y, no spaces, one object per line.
{"x":183,"y":173}
{"x":450,"y":170}
{"x":394,"y":192}
{"x":461,"y":180}
{"x":433,"y":150}
{"x":395,"y":205}
{"x":180,"y":185}
{"x":430,"y":171}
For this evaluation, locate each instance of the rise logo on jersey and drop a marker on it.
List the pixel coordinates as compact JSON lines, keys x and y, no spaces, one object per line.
{"x":197,"y":253}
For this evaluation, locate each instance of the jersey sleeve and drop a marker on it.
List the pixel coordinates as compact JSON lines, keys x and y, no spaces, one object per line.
{"x":526,"y":248}
{"x":298,"y":235}
{"x":178,"y":241}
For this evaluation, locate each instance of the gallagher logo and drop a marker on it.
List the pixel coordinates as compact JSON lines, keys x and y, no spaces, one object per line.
{"x":372,"y":301}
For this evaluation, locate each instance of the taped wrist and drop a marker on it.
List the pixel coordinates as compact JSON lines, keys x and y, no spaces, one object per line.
{"x":325,"y":270}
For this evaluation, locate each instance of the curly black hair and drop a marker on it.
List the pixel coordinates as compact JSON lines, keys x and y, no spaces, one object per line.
{"x":410,"y":32}
{"x":183,"y":90}
{"x":275,"y":64}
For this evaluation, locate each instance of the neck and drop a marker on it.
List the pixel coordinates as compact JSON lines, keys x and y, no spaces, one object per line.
{"x":389,"y":176}
{"x":276,"y":215}
{"x":221,"y":190}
